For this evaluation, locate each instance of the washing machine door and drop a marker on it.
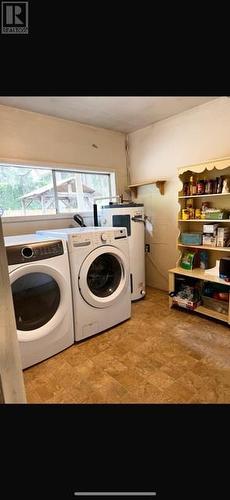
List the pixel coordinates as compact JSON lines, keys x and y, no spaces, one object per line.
{"x":38,"y":298}
{"x":104,"y":276}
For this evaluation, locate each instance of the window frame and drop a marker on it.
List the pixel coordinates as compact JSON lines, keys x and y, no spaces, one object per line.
{"x":54,"y":168}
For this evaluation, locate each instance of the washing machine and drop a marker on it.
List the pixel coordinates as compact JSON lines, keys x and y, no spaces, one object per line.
{"x":99,"y":263}
{"x":131,"y":216}
{"x":41,"y":288}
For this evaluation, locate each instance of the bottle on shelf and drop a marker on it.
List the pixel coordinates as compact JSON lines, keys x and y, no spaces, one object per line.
{"x":186,"y":189}
{"x":192,"y":186}
{"x":214,"y":186}
{"x":219,"y":181}
{"x":226,"y":185}
{"x":200,"y":186}
{"x":208,"y":186}
{"x":203,"y":259}
{"x":191,"y":210}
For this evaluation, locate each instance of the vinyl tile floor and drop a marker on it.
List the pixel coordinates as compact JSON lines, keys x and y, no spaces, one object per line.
{"x":158,"y":356}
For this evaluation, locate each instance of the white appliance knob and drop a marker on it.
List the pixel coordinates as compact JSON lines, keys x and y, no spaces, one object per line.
{"x":103,"y":237}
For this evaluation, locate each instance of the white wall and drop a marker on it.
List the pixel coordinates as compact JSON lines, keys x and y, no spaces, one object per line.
{"x":33,"y":138}
{"x":194,"y":136}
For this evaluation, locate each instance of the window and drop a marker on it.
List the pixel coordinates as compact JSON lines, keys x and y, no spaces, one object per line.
{"x":42,"y":191}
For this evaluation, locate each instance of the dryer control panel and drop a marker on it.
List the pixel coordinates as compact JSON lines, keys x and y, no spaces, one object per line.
{"x":30,"y":252}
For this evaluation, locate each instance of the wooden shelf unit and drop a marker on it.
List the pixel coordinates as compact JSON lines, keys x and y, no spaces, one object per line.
{"x":201,"y":275}
{"x":159,"y":184}
{"x":211,"y":169}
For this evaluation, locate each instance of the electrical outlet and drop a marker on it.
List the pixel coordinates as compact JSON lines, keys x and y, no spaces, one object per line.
{"x":147,"y":247}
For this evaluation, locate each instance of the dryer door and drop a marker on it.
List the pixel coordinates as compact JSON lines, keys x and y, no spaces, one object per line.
{"x":38,"y":296}
{"x":104,"y":276}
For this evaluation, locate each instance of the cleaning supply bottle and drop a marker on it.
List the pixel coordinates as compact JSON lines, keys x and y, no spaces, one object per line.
{"x":203,"y":259}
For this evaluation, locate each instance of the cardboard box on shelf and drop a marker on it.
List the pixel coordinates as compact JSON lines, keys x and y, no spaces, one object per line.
{"x":209,"y":240}
{"x":210,"y":229}
{"x":223,"y":235}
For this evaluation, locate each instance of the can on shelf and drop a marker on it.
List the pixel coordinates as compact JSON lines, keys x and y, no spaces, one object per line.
{"x":185,"y":214}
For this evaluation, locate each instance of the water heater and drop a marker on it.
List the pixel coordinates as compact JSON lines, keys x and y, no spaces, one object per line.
{"x":131,"y":216}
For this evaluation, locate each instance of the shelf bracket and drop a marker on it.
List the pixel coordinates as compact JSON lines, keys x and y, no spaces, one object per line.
{"x":160,"y":186}
{"x":134,"y":191}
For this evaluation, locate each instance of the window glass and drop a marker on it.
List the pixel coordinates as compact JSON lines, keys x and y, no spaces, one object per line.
{"x":76,"y":191}
{"x":26,"y":191}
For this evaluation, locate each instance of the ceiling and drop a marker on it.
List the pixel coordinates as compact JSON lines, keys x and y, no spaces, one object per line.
{"x":123,"y":114}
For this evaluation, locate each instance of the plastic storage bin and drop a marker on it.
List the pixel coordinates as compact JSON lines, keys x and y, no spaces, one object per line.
{"x":191,"y":238}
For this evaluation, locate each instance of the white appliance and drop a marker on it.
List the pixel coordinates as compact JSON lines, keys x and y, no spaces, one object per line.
{"x":131,"y":216}
{"x":99,"y":263}
{"x":41,"y":287}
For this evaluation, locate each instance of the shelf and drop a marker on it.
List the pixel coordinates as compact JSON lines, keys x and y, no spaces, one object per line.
{"x":206,"y":247}
{"x":199,"y":274}
{"x":211,"y":312}
{"x":204,"y":220}
{"x":159,"y":184}
{"x":206,"y":311}
{"x":204,"y":195}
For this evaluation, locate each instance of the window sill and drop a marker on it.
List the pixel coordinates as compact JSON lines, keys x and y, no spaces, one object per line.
{"x":31,"y":218}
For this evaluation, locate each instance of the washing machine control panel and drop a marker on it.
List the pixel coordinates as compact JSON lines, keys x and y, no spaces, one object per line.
{"x":97,"y":237}
{"x":19,"y":254}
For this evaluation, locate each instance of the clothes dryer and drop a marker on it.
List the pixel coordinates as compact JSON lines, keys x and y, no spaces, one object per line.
{"x":41,"y":288}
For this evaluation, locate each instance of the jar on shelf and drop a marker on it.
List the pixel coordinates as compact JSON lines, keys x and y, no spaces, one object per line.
{"x":200,"y":187}
{"x":204,"y":206}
